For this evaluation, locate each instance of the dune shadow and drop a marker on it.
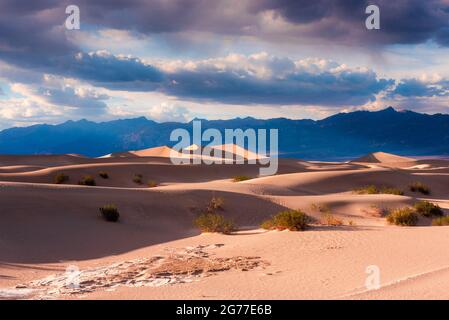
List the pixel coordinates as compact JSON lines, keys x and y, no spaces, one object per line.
{"x":55,"y":224}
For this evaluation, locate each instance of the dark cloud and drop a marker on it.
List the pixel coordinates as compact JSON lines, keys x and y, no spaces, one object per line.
{"x":402,"y":21}
{"x":86,"y":101}
{"x":297,"y":87}
{"x":32,"y":35}
{"x":103,"y":67}
{"x":416,"y":88}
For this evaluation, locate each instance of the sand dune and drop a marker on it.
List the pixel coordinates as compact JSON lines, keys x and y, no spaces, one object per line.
{"x":44,"y":227}
{"x":382,"y":157}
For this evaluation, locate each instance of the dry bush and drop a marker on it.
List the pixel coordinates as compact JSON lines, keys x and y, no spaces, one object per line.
{"x":403,"y":217}
{"x":87,"y":181}
{"x":110,"y":213}
{"x":214,"y":222}
{"x":419,"y":187}
{"x":61,"y":178}
{"x":428,"y":209}
{"x":293,"y":220}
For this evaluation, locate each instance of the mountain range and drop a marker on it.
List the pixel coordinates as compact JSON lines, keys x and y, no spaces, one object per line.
{"x":344,"y":135}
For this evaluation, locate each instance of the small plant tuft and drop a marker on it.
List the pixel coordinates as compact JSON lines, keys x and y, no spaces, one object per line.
{"x":293,"y":220}
{"x":419,"y":187}
{"x":137,"y":178}
{"x":372,"y":189}
{"x":403,"y":217}
{"x":87,"y":181}
{"x":240,"y":178}
{"x":329,"y":219}
{"x":61,"y":178}
{"x":214,"y":222}
{"x":103,"y":174}
{"x":441,"y":221}
{"x":110,"y":213}
{"x":428,"y":209}
{"x":216,"y":203}
{"x":152,"y":184}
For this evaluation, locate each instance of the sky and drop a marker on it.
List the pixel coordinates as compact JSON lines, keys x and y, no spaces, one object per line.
{"x":173,"y":60}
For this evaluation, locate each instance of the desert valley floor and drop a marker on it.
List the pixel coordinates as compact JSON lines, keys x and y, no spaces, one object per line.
{"x":155,"y":252}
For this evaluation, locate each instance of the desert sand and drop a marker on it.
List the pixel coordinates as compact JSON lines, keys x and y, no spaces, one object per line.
{"x":48,"y":230}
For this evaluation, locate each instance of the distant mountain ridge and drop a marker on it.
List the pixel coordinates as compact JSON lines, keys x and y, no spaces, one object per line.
{"x":343,"y":135}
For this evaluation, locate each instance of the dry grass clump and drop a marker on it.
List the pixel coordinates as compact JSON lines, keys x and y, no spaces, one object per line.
{"x":152,"y":184}
{"x":293,"y":220}
{"x":216,"y":203}
{"x":103,"y":174}
{"x":110,"y":213}
{"x":61,"y":178}
{"x":441,"y":221}
{"x":372,"y":189}
{"x":138,"y":178}
{"x":240,"y":178}
{"x":329,"y":219}
{"x":214,"y":222}
{"x":419,"y":187}
{"x":428,"y":209}
{"x":87,"y":181}
{"x":403,"y":217}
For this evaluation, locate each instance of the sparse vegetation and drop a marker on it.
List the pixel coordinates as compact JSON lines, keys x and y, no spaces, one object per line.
{"x":137,"y":178}
{"x":403,"y":217}
{"x":329,"y":219}
{"x":61,"y":178}
{"x":293,"y":220}
{"x":323,"y":208}
{"x":214,"y":222}
{"x":87,"y":181}
{"x":441,"y":221}
{"x":351,"y":223}
{"x":152,"y":184}
{"x":428,"y":209}
{"x":240,"y":178}
{"x":377,"y":211}
{"x":391,"y":190}
{"x":372,"y":189}
{"x":110,"y":213}
{"x":103,"y":174}
{"x":216,"y":203}
{"x":419,"y":187}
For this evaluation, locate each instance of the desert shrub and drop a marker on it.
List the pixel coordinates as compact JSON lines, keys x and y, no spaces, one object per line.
{"x":216,"y":203}
{"x":419,"y":187}
{"x":294,"y":220}
{"x":441,"y":221}
{"x":240,"y":178}
{"x":103,"y":174}
{"x":87,"y":181}
{"x":213,"y":222}
{"x":403,"y":217}
{"x":428,"y":209}
{"x":391,"y":190}
{"x":110,"y":213}
{"x":137,"y":178}
{"x":329,"y":219}
{"x":372,"y":189}
{"x":61,"y":178}
{"x":152,"y":183}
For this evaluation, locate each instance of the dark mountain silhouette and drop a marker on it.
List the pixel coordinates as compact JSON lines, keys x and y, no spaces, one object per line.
{"x":344,"y":135}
